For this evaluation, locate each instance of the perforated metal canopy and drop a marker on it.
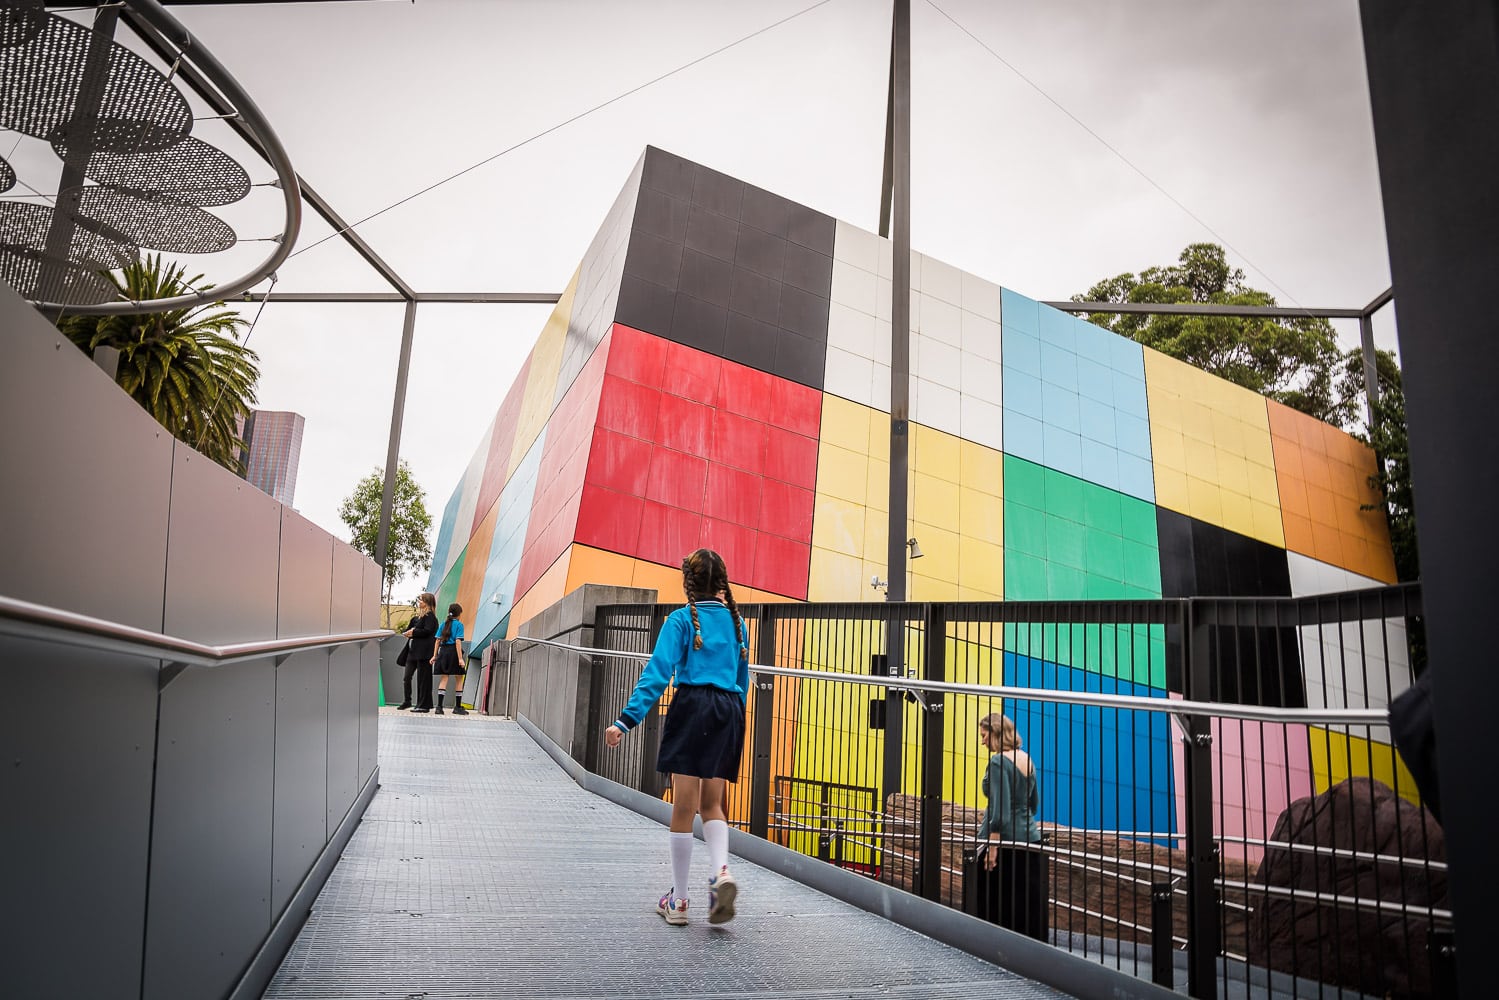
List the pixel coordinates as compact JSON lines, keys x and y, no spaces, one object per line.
{"x":192,"y":172}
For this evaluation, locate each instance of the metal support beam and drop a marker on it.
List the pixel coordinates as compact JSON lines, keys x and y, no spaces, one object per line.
{"x":393,"y":452}
{"x":885,"y":179}
{"x":900,"y":301}
{"x":1433,"y":71}
{"x":359,"y":298}
{"x":1371,"y":365}
{"x":1203,"y":907}
{"x":1206,"y":309}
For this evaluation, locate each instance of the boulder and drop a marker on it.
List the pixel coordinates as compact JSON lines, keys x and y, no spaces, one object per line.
{"x":1378,"y":950}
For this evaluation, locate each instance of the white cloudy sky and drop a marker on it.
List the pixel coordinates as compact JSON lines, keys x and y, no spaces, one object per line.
{"x":1253,"y":114}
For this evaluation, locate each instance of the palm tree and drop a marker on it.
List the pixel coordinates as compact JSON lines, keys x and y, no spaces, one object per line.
{"x":186,"y":367}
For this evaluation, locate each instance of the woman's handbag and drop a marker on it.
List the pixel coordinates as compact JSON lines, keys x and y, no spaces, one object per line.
{"x":401,"y":656}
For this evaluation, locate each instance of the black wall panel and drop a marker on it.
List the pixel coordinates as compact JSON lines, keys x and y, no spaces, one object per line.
{"x":1254,"y":665}
{"x":729,"y":269}
{"x":210,"y":898}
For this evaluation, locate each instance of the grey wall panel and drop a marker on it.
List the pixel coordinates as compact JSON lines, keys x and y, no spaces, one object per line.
{"x":304,"y":604}
{"x":347,"y":611}
{"x":369,"y":715}
{"x":344,"y":669}
{"x":370,"y":602}
{"x":209,"y":906}
{"x":76,"y":821}
{"x":87,"y":448}
{"x":221,"y":554}
{"x":301,"y":797}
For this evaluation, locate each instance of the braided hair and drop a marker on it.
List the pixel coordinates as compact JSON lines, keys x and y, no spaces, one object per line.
{"x":703,"y":576}
{"x":454,"y":610}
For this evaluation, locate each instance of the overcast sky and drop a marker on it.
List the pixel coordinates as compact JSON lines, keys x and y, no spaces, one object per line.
{"x":1254,"y":115}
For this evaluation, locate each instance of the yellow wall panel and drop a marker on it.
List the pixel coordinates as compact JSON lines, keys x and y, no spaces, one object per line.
{"x":935,"y":453}
{"x":980,"y":468}
{"x":835,"y":576}
{"x":1337,"y":757}
{"x":541,"y":377}
{"x":845,"y":424}
{"x":842,"y":473}
{"x":838,"y":525}
{"x":981,"y":567}
{"x":981,"y":516}
{"x":1218,"y":434}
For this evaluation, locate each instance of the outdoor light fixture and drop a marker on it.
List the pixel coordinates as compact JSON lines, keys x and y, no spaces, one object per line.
{"x":496,"y":599}
{"x":916,"y":552}
{"x":877,"y":583}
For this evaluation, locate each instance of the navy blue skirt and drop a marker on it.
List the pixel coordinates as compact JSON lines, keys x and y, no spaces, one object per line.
{"x":704,"y":733}
{"x":447,"y":661}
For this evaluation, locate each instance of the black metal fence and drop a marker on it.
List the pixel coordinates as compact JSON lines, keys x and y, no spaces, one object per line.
{"x":1218,"y":798}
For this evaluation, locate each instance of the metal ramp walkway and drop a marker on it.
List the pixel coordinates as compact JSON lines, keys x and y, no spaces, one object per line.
{"x":482,"y":870}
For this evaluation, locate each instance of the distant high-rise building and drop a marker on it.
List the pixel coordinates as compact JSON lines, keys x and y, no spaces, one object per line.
{"x":274,"y":442}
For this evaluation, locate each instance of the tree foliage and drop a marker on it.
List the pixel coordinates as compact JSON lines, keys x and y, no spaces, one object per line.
{"x":186,"y":367}
{"x":407,"y":547}
{"x":1295,"y":361}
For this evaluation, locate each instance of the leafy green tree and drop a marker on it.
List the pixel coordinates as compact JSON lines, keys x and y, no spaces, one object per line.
{"x":1295,"y":361}
{"x":1391,"y":444}
{"x":407,"y":548}
{"x":187,"y":367}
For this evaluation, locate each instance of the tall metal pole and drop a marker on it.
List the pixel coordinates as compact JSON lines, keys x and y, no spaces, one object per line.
{"x":1434,"y":96}
{"x":1371,"y":365}
{"x":900,"y":299}
{"x":393,"y":453}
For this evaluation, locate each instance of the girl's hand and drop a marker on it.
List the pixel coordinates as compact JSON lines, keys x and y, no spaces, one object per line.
{"x":991,"y":856}
{"x":613,"y":735}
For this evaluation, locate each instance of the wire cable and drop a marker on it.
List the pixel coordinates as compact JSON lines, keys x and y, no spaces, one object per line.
{"x":1122,"y":158}
{"x":563,"y":124}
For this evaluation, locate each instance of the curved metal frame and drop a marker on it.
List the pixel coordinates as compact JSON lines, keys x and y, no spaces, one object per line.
{"x":275,"y":154}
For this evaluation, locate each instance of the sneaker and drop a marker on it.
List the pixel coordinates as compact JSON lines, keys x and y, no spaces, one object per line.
{"x":674,"y":910}
{"x":415,"y":711}
{"x":437,"y":710}
{"x":721,"y":893}
{"x":459,"y":710}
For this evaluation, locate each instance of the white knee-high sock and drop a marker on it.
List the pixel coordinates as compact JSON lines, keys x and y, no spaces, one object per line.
{"x":716,"y":835}
{"x":681,"y":863}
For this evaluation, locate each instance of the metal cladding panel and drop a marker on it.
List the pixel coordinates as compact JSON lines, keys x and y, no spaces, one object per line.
{"x":304,"y":601}
{"x":1113,"y":768}
{"x":69,"y":775}
{"x":508,"y":544}
{"x":347,"y":591}
{"x":369,"y":711}
{"x":344,"y":671}
{"x":728,"y":269}
{"x":203,"y":602}
{"x":446,"y":543}
{"x":209,"y":907}
{"x":87,"y":447}
{"x":300,"y":814}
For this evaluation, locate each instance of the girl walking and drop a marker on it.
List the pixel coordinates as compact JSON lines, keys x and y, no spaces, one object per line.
{"x":448,"y":661}
{"x":703,"y":646}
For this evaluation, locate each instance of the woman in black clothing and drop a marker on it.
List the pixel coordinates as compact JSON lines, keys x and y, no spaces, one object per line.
{"x":423,"y":636}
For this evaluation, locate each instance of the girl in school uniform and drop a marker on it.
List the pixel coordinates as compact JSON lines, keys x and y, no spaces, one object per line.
{"x":704,"y":647}
{"x":448,"y":662}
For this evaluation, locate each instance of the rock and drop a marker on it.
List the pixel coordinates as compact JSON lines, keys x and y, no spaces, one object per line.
{"x":1379,"y":951}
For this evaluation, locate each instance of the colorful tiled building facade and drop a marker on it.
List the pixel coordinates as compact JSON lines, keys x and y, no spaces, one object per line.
{"x":717,"y":374}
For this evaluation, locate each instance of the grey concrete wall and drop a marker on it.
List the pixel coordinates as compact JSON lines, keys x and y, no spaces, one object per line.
{"x":165,"y":818}
{"x":552,"y":685}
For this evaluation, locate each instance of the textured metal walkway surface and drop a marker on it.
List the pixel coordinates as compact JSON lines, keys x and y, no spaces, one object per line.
{"x":482,"y":870}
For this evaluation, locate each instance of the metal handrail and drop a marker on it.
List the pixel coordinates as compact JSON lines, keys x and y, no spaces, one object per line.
{"x":28,"y":620}
{"x":1176,"y":707}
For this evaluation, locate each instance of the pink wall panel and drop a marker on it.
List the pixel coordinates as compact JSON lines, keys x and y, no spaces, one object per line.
{"x":692,"y":374}
{"x":796,"y":407}
{"x":786,"y":510}
{"x":501,"y":439}
{"x":734,"y":541}
{"x":677,"y":480}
